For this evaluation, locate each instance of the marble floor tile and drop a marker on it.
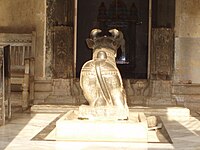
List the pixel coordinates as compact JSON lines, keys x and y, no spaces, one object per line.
{"x":18,"y":134}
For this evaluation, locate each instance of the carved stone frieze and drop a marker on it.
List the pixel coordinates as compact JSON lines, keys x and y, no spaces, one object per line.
{"x":137,"y":91}
{"x":136,"y":87}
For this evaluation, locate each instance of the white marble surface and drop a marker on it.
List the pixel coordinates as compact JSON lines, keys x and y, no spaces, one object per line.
{"x":17,"y":135}
{"x":132,"y":130}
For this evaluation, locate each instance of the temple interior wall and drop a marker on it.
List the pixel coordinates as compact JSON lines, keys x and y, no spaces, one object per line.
{"x":186,"y":80}
{"x":187,"y":46}
{"x":25,"y":16}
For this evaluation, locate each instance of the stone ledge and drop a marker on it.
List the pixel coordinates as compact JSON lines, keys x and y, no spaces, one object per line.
{"x":162,"y":111}
{"x":52,"y":108}
{"x":194,"y":106}
{"x":153,"y":110}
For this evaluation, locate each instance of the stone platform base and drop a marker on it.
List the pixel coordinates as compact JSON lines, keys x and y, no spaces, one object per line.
{"x":102,"y":113}
{"x":70,"y":128}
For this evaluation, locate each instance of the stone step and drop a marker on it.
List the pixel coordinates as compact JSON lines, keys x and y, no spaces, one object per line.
{"x":157,"y":111}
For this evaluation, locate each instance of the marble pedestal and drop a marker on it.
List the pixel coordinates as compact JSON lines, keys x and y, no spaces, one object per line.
{"x":70,"y":128}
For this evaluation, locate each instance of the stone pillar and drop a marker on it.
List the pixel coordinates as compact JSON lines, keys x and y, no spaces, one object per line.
{"x":59,"y":39}
{"x":162,"y":53}
{"x":186,"y":83}
{"x":162,"y":62}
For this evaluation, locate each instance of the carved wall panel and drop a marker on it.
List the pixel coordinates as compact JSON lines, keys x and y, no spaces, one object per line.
{"x":137,"y":91}
{"x":59,"y":39}
{"x":62,"y":87}
{"x":65,"y":91}
{"x":162,"y":53}
{"x":160,"y":88}
{"x":63,"y":58}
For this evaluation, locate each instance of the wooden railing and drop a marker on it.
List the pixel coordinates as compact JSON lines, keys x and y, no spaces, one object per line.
{"x":22,"y":55}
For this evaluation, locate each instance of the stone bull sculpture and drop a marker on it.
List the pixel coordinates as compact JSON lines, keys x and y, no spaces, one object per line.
{"x":100,"y":78}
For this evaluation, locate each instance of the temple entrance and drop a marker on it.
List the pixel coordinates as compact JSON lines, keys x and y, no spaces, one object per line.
{"x":69,"y":23}
{"x":128,"y":16}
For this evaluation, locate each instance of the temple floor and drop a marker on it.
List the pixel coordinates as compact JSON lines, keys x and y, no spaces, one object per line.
{"x":31,"y":131}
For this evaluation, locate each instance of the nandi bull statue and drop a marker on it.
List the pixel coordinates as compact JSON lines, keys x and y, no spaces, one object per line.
{"x":100,"y":78}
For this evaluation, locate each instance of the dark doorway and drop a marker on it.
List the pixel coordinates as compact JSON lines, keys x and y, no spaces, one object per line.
{"x":129,"y":16}
{"x":163,"y":14}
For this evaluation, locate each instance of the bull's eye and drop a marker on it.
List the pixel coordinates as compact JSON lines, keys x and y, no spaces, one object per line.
{"x":114,"y":43}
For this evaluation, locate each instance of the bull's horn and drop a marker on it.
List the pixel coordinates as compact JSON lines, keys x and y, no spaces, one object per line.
{"x":115,"y":33}
{"x":94,"y":32}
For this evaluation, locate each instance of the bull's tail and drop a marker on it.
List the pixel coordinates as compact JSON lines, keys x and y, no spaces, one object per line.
{"x":104,"y":88}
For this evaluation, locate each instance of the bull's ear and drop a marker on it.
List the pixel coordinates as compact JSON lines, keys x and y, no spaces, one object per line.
{"x":116,"y":44}
{"x":90,"y":43}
